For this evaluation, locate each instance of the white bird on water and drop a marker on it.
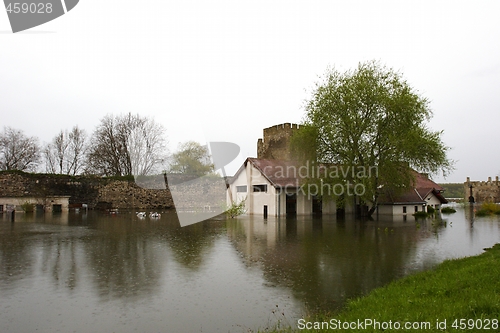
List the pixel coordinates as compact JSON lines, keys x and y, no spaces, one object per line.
{"x":154,"y":215}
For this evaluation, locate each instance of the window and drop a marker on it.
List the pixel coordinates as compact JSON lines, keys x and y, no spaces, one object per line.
{"x":416,"y":209}
{"x":404,"y":209}
{"x":260,"y":188}
{"x":242,"y":188}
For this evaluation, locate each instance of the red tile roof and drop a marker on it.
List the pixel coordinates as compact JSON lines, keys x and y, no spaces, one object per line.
{"x":422,"y":187}
{"x":422,"y":181}
{"x":279,"y":173}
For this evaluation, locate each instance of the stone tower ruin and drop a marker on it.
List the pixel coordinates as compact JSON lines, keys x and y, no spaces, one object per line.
{"x":275,"y":143}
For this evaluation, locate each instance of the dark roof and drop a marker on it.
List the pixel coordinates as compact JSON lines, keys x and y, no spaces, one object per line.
{"x":422,"y":181}
{"x":279,"y":173}
{"x":422,"y":187}
{"x":440,"y":197}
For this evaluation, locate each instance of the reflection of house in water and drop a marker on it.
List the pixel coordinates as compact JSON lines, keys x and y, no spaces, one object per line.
{"x":325,"y":261}
{"x":273,"y":184}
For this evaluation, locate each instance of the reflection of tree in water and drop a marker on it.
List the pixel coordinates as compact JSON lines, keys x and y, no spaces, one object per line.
{"x":122,"y":255}
{"x":16,"y":255}
{"x":125,"y":258}
{"x":26,"y":243}
{"x":60,"y":258}
{"x":327,"y":263}
{"x":190,"y":244}
{"x":128,"y":255}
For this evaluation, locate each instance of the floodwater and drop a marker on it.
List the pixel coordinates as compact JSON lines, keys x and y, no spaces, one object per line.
{"x":95,"y":272}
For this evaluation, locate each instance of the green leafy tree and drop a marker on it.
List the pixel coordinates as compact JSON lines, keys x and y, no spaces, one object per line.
{"x":370,"y":119}
{"x":191,"y":158}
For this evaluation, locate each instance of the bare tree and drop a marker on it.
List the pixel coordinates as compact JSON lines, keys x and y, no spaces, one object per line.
{"x":50,"y":158}
{"x":17,"y":151}
{"x":66,"y":153}
{"x":146,"y":146}
{"x":105,"y":156}
{"x":126,"y":145}
{"x":76,"y":150}
{"x":55,"y":153}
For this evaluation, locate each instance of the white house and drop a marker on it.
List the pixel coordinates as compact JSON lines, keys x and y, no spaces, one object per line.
{"x":424,"y":193}
{"x":273,"y":187}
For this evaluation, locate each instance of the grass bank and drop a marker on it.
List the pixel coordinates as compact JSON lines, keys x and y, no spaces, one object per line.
{"x":463,"y":292}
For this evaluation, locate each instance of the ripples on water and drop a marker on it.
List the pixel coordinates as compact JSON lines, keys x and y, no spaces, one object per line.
{"x":101,"y":273}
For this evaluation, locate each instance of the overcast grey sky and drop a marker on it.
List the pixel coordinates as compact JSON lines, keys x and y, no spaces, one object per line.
{"x":224,"y":70}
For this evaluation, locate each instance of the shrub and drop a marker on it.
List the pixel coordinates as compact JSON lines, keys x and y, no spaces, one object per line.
{"x":448,"y":210}
{"x":28,"y":207}
{"x":421,"y":214}
{"x":488,"y":208}
{"x":236,"y":209}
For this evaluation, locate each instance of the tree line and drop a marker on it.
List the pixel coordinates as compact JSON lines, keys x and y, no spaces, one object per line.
{"x":121,"y":145}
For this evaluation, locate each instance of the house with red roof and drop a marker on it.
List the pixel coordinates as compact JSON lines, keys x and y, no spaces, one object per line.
{"x":423,"y":194}
{"x":274,"y":187}
{"x":273,"y":184}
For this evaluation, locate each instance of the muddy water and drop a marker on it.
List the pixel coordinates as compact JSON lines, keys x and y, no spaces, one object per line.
{"x":97,"y":272}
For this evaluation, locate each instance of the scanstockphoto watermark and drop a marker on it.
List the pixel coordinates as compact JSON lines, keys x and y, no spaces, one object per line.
{"x":325,"y":189}
{"x":313,"y":170}
{"x":314,"y":179}
{"x":367,"y":324}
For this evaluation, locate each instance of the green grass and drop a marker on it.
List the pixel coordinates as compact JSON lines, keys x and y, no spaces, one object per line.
{"x":467,"y":288}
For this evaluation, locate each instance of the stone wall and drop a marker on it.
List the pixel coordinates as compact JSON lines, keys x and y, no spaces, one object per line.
{"x":126,"y":194}
{"x":275,"y":143}
{"x":483,"y":191}
{"x":81,"y":189}
{"x":106,"y":193}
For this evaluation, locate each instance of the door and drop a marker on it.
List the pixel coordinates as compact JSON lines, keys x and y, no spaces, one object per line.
{"x":291,"y":204}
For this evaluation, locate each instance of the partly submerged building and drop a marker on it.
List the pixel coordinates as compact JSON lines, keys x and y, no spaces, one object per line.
{"x":423,"y":194}
{"x":272,"y":184}
{"x":55,"y":204}
{"x":274,"y":187}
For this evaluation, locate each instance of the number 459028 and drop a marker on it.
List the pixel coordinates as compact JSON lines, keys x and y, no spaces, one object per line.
{"x":32,"y":8}
{"x":481,"y":324}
